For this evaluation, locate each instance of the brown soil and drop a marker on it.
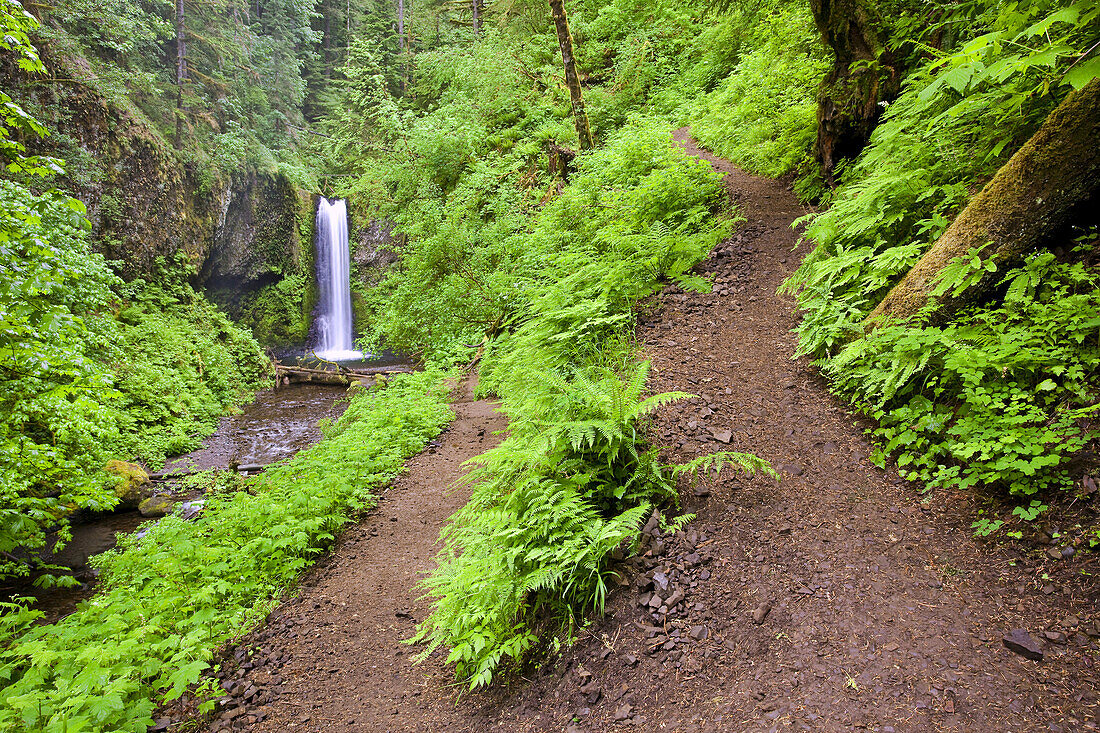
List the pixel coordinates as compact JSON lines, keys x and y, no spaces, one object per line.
{"x":832,"y":600}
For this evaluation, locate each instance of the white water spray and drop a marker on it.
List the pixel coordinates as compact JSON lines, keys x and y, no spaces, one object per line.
{"x":334,"y":334}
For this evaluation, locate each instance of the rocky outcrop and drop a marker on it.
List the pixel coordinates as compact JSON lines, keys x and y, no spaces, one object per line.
{"x":151,"y":205}
{"x":375,"y":247}
{"x":256,"y":238}
{"x":132,"y":483}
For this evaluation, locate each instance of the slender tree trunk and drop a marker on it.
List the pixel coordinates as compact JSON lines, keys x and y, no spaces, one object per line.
{"x":401,"y":24}
{"x":864,"y":75}
{"x":181,"y":68}
{"x":565,"y":42}
{"x":474,"y":4}
{"x":326,"y":38}
{"x":402,"y":46}
{"x":1032,"y":196}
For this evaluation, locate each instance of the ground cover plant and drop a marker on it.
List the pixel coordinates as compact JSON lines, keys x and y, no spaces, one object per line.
{"x":173,"y":594}
{"x":95,"y":369}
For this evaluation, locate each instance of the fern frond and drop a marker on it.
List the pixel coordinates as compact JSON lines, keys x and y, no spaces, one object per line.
{"x":745,"y":463}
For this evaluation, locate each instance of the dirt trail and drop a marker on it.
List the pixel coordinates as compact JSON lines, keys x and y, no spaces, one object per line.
{"x":831,"y":601}
{"x":333,"y":659}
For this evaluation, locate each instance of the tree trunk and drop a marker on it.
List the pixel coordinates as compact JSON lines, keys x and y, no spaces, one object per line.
{"x":181,"y":68}
{"x":565,"y":41}
{"x":474,"y":4}
{"x":401,"y":24}
{"x":326,"y":39}
{"x":863,"y":75}
{"x":559,"y":159}
{"x":403,"y":46}
{"x":1032,"y":196}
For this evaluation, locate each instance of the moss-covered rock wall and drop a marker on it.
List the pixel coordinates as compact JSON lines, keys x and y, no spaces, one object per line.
{"x":241,"y":231}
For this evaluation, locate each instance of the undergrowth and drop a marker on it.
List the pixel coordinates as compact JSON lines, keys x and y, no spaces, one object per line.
{"x":91,"y":368}
{"x":1002,"y":396}
{"x":528,"y":558}
{"x":763,"y":115}
{"x":173,"y":594}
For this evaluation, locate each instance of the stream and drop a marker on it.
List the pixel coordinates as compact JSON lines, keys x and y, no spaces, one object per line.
{"x":276,"y":425}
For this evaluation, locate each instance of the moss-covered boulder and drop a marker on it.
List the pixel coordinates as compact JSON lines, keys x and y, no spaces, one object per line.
{"x":132,"y":483}
{"x":156,"y":506}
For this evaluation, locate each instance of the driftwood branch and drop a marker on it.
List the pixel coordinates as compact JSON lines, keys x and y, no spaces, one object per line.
{"x":184,"y":472}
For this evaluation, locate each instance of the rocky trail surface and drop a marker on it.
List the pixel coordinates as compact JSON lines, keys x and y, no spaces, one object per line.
{"x":832,"y":600}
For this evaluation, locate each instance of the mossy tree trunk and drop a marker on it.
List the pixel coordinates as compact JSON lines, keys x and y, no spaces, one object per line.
{"x":181,"y":68}
{"x":1032,"y":196}
{"x":565,"y":42}
{"x":864,"y":75}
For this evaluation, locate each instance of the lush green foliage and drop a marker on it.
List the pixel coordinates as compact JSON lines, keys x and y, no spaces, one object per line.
{"x":182,"y":588}
{"x":90,"y":369}
{"x":93,"y":369}
{"x":500,"y":250}
{"x":574,"y":479}
{"x":959,"y":118}
{"x":998,"y":396}
{"x":763,"y":115}
{"x":994,"y":397}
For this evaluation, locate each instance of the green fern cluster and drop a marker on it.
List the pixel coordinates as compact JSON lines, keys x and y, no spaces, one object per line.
{"x":574,"y":480}
{"x":530,"y":551}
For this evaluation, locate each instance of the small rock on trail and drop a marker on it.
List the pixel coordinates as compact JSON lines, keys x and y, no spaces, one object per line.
{"x":1021,"y":642}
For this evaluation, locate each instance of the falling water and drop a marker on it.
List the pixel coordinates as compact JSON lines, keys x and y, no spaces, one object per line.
{"x":334,"y":335}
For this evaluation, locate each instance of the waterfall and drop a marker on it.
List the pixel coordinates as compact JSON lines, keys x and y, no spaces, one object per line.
{"x":334,"y":334}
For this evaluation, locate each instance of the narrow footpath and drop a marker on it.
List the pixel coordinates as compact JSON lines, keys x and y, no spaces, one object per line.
{"x":832,"y":600}
{"x":334,"y":658}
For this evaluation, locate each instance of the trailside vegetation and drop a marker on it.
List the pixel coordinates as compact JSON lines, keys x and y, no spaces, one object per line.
{"x":91,"y":368}
{"x":172,"y":594}
{"x":525,"y":245}
{"x":999,"y":391}
{"x":575,"y":479}
{"x":518,"y":246}
{"x":761,"y":116}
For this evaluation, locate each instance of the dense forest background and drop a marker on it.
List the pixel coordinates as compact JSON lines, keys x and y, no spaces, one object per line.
{"x":161,"y":163}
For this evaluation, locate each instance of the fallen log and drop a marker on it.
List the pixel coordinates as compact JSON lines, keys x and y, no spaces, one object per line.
{"x":285,"y":374}
{"x":320,"y":376}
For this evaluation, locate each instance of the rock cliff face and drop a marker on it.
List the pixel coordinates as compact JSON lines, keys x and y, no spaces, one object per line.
{"x":374,"y":249}
{"x":243,"y":233}
{"x":142,"y":201}
{"x":256,"y":239}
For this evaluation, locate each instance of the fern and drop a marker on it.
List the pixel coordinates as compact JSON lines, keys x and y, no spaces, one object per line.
{"x":704,"y":465}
